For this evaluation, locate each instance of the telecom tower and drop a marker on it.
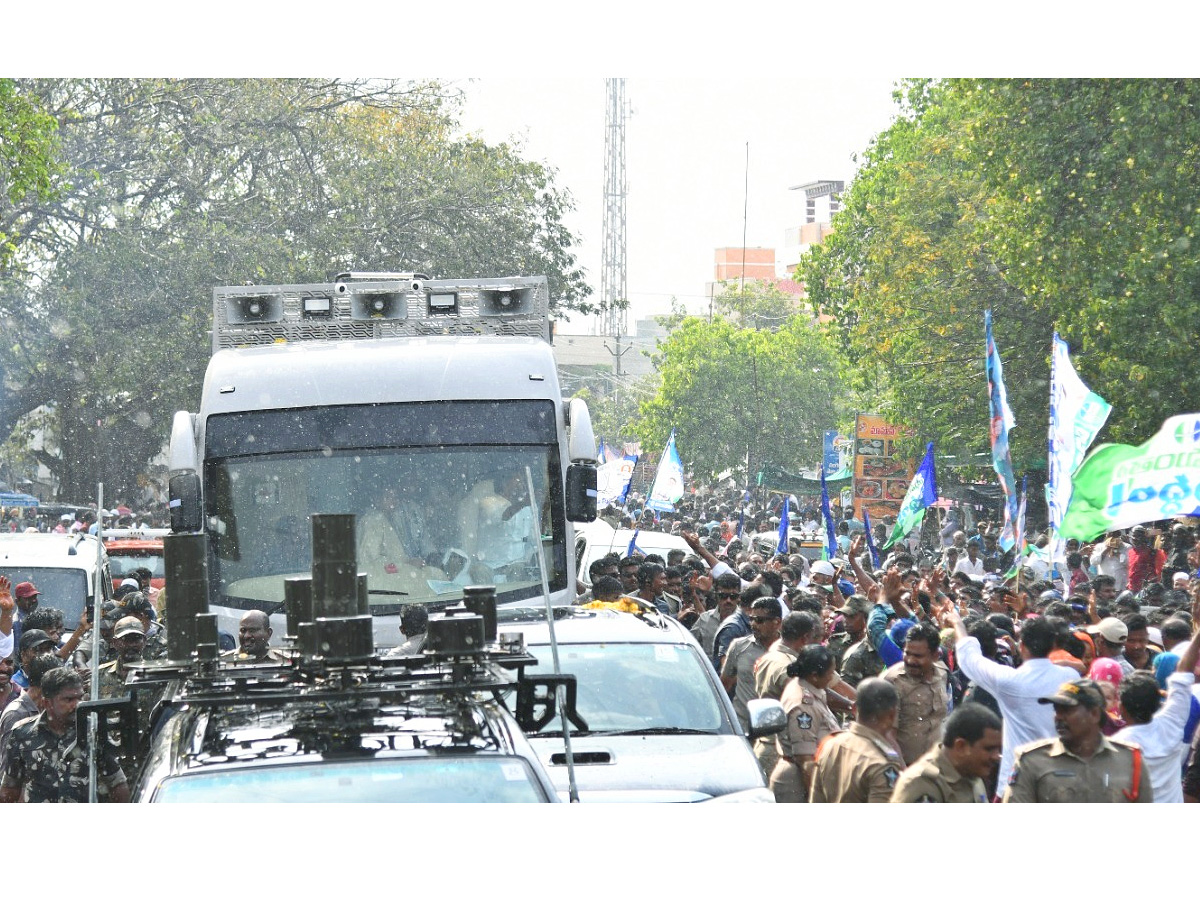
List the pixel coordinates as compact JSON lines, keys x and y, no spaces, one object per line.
{"x":613,"y":282}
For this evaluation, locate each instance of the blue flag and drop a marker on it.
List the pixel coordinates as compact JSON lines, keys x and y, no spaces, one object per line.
{"x":1001,"y":421}
{"x":870,"y":540}
{"x":921,"y":494}
{"x":633,"y":547}
{"x":781,"y":545}
{"x":668,"y":480}
{"x":827,"y":518}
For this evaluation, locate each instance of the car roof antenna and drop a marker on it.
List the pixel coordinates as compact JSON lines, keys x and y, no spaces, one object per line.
{"x":535,"y":528}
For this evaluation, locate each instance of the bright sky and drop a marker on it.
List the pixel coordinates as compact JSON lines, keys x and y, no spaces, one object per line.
{"x":686,"y":162}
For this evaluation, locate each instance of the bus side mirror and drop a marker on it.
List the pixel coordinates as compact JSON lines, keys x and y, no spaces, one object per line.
{"x":186,"y":514}
{"x":581,"y":493}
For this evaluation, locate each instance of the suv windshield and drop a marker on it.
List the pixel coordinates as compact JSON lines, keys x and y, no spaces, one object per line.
{"x":65,"y":589}
{"x":458,"y":779}
{"x":628,"y":687}
{"x":451,"y":508}
{"x":122,"y":562}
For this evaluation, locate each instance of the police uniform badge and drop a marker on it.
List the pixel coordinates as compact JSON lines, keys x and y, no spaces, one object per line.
{"x":891,"y":776}
{"x":804,"y":721}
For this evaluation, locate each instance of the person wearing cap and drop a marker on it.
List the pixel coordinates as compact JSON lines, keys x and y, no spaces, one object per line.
{"x":1157,"y":726}
{"x":953,"y":771}
{"x":33,"y":642}
{"x":1081,"y":765}
{"x":129,"y":641}
{"x":1108,"y":637}
{"x":46,"y":762}
{"x":854,"y":614}
{"x":25,"y":595}
{"x":110,"y":613}
{"x":860,"y":764}
{"x":1017,"y":691}
{"x":136,"y":604}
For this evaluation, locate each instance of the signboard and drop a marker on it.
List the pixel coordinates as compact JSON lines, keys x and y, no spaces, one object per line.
{"x":880,"y":476}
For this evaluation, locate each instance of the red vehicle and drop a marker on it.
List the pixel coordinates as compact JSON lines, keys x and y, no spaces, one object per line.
{"x":132,"y":550}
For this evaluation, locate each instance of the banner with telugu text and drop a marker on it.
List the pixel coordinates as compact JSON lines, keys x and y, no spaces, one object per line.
{"x":1119,"y":485}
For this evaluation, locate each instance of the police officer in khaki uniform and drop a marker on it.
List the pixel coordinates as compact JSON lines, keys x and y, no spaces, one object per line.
{"x":860,"y":765}
{"x":953,"y":770}
{"x":1081,"y":765}
{"x":923,"y":683}
{"x":771,"y":673}
{"x":809,"y":721}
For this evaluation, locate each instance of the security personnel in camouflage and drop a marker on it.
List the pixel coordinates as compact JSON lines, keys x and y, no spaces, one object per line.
{"x":860,"y":765}
{"x":129,"y":640}
{"x":1081,"y":765}
{"x":45,"y":763}
{"x":140,"y":608}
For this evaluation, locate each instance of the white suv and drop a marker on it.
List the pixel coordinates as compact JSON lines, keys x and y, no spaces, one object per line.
{"x":654,"y":722}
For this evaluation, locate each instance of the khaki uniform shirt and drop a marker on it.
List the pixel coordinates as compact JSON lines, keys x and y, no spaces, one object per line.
{"x":809,"y":721}
{"x":770,"y":678}
{"x":933,"y":779}
{"x":1047,"y":772}
{"x":856,"y":766}
{"x":923,"y":705}
{"x":770,"y":672}
{"x":739,"y":662}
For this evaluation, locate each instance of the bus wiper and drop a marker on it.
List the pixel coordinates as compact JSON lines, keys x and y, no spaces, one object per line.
{"x":387,"y":592}
{"x":661,"y":729}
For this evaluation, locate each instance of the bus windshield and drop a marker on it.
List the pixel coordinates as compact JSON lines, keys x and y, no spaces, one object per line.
{"x":431,"y":517}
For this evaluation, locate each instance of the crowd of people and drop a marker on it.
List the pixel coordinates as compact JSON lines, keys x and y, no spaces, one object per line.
{"x":947,"y":670}
{"x":944,"y":671}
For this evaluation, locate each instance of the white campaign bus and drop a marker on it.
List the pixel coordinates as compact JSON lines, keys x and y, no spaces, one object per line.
{"x":417,"y":405}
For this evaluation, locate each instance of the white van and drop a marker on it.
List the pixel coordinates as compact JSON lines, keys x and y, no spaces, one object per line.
{"x":597,"y":539}
{"x":69,"y":570}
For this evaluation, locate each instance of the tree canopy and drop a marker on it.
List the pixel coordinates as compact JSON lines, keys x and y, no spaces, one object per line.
{"x":1060,"y":204}
{"x":174,"y":186}
{"x":736,"y":395}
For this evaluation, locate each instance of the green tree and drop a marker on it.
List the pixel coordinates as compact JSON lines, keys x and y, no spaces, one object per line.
{"x":756,"y":304}
{"x":1065,"y":205}
{"x":175,"y":186}
{"x":906,"y":276}
{"x":29,"y":162}
{"x":733,"y":393}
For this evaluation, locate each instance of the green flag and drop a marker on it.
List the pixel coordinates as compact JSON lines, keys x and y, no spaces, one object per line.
{"x":1119,"y":485}
{"x":921,"y":494}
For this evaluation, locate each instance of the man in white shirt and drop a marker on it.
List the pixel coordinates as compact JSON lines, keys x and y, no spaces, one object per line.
{"x":1016,"y":690}
{"x":972,"y":563}
{"x":1112,"y":558}
{"x":1157,"y":726}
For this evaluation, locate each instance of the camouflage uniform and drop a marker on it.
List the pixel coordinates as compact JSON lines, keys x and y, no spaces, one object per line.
{"x":861,"y":661}
{"x":156,"y":644}
{"x":52,"y":768}
{"x":112,"y":682}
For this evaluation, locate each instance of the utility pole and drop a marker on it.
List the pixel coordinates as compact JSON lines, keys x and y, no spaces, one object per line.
{"x":613,"y":282}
